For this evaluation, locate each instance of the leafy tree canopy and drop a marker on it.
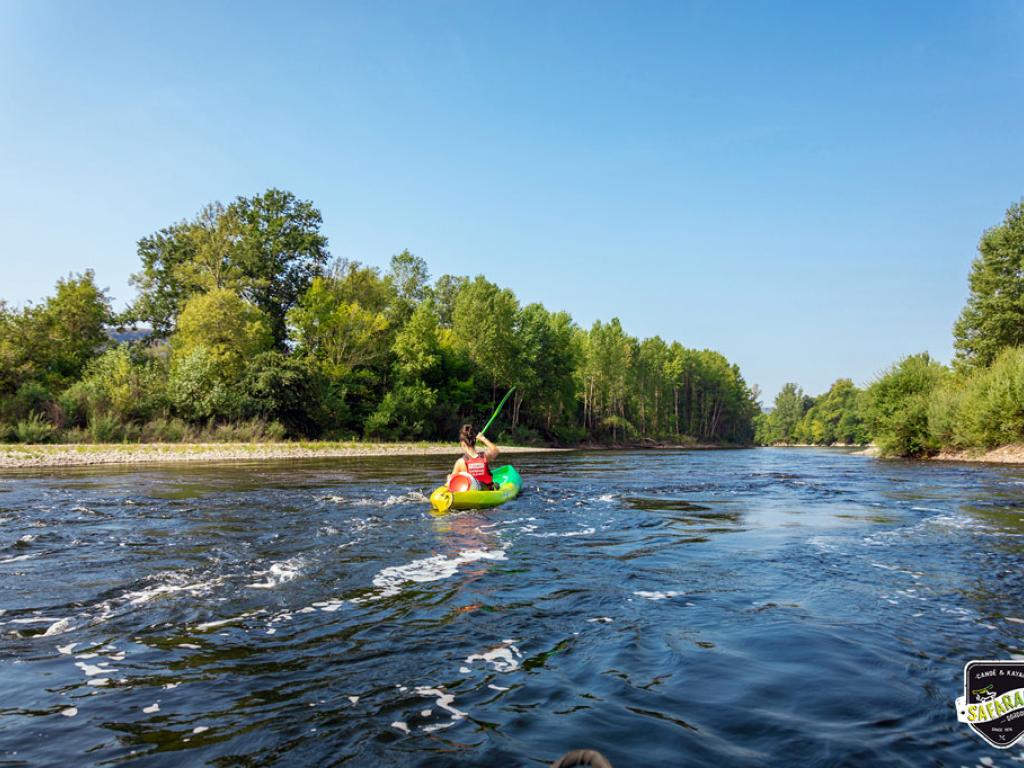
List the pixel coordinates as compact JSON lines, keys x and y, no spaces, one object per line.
{"x":994,"y":316}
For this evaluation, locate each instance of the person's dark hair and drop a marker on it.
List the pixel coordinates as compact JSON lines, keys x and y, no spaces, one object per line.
{"x":467,"y":435}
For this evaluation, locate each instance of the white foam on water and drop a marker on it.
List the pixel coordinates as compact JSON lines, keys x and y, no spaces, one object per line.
{"x":400,"y":726}
{"x":169,"y":583}
{"x":58,"y":627}
{"x":436,"y":727}
{"x":390,"y":580}
{"x":503,"y":658}
{"x":155,"y":707}
{"x":91,"y":670}
{"x":426,"y":712}
{"x":415,"y":497}
{"x":66,"y":650}
{"x":354,"y":699}
{"x":494,"y":687}
{"x":98,"y":682}
{"x":190,"y":646}
{"x":221,"y":622}
{"x":656,"y":595}
{"x":1015,"y":620}
{"x":581,"y":532}
{"x":822,"y":543}
{"x":35,"y":620}
{"x":69,"y":711}
{"x":601,"y":620}
{"x":897,"y":569}
{"x":443,"y":701}
{"x":28,"y":538}
{"x":171,"y":686}
{"x":201,"y":729}
{"x":17,"y":559}
{"x":279,"y":573}
{"x":956,"y":522}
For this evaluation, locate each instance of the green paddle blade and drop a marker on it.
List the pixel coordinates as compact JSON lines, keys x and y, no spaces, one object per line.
{"x":496,"y":411}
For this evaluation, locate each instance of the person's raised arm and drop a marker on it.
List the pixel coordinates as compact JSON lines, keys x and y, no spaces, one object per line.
{"x":492,"y":450}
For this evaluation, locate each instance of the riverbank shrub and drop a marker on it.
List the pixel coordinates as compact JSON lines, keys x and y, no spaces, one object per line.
{"x":163,"y":430}
{"x":106,"y":428}
{"x":249,"y":431}
{"x":34,"y":429}
{"x":991,"y":411}
{"x":405,"y":413}
{"x":278,"y":388}
{"x":125,"y":383}
{"x":897,"y":403}
{"x":199,"y":389}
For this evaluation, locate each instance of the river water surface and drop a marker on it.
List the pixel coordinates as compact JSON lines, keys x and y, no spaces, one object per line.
{"x":759,"y":607}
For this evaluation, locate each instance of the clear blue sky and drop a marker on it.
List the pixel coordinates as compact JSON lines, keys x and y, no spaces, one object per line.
{"x":800,"y":186}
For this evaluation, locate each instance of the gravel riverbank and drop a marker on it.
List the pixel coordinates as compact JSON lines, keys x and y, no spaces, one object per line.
{"x":26,"y":456}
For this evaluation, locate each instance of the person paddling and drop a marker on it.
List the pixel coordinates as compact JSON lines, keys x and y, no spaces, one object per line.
{"x":472,"y":463}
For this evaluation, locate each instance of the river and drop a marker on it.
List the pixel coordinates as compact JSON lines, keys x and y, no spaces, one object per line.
{"x":715,"y":608}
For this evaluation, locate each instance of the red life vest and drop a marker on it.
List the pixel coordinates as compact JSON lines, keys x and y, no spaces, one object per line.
{"x":479,"y":469}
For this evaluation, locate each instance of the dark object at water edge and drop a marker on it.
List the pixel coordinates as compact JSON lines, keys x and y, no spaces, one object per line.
{"x":590,"y":757}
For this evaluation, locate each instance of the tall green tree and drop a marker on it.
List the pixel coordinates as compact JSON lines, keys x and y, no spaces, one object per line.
{"x":280,"y":249}
{"x":790,"y":405}
{"x":410,"y":279}
{"x":545,"y":377}
{"x":232,"y":330}
{"x":994,"y":316}
{"x":836,"y":416}
{"x":267,"y":248}
{"x":51,"y":343}
{"x":165,"y":256}
{"x":446,"y":291}
{"x":484,"y":324}
{"x":608,"y":356}
{"x":341,"y":334}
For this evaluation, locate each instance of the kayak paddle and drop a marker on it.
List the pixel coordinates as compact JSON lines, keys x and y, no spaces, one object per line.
{"x":496,"y":411}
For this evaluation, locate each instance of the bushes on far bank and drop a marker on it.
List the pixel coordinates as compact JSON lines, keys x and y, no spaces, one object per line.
{"x":916,"y":408}
{"x":985,"y":408}
{"x":897,"y":403}
{"x":108,"y":430}
{"x":834,"y":418}
{"x":920,"y":407}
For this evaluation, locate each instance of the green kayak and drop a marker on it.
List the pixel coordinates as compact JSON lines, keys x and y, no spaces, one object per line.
{"x":507,"y":480}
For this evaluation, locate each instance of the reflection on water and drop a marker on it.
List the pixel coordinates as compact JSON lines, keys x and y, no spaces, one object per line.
{"x":711,"y":608}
